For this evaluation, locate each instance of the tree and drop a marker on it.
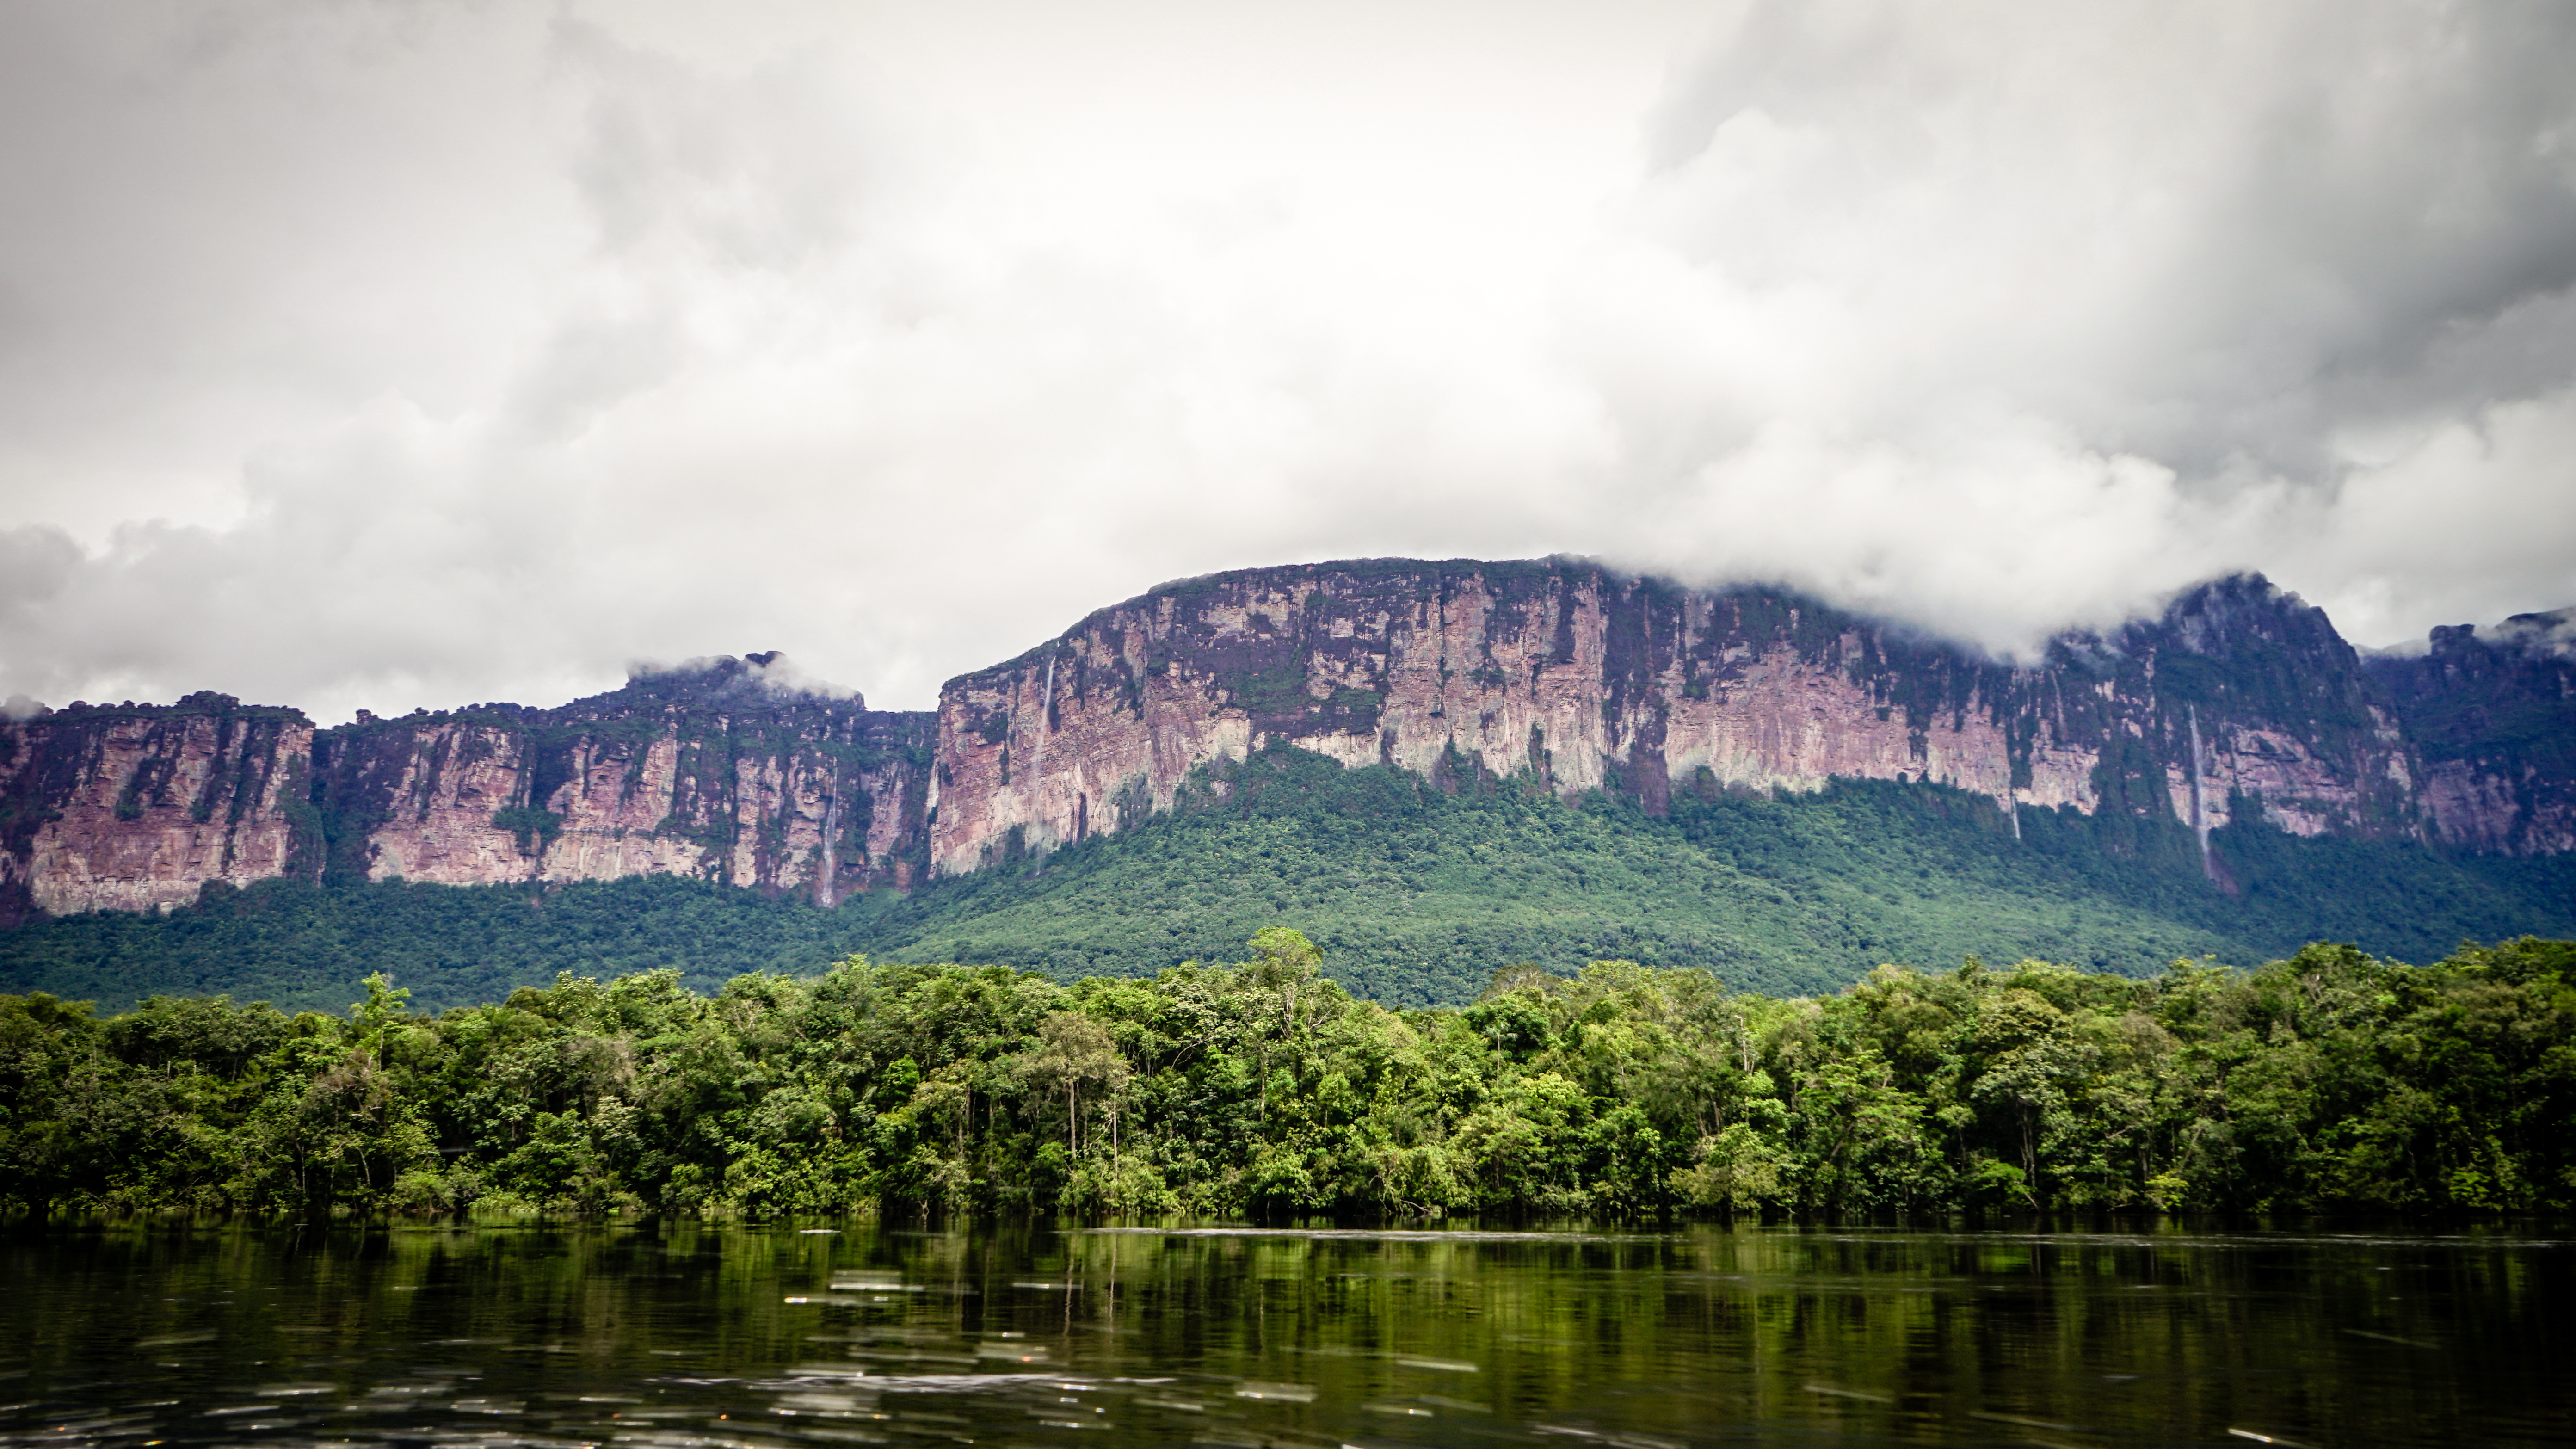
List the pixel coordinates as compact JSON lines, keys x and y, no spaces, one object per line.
{"x":1074,"y":1053}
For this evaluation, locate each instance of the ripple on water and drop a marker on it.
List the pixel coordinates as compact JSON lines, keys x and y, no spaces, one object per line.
{"x":680,"y":1337}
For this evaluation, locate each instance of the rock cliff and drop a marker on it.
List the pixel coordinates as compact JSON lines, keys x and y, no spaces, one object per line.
{"x":1583,"y":679}
{"x":2495,"y":722}
{"x":709,"y":771}
{"x":137,"y":807}
{"x":1560,"y":673}
{"x":712,"y":771}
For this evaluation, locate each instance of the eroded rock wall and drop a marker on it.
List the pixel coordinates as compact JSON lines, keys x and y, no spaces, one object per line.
{"x":1583,"y":678}
{"x":707,"y":772}
{"x":137,"y":807}
{"x":1566,"y":675}
{"x":2494,"y":718}
{"x":704,"y":774}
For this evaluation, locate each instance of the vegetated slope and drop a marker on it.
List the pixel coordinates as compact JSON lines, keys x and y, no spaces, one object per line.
{"x":1415,"y":895}
{"x":305,"y":947}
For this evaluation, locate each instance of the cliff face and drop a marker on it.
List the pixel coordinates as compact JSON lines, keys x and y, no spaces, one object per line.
{"x":1586,"y":679}
{"x":1561,"y":673}
{"x":136,"y":807}
{"x":2495,"y":721}
{"x":706,"y":772}
{"x":709,"y":771}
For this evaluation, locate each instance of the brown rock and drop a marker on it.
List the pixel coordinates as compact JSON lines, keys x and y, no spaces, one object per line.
{"x":1561,"y":673}
{"x":1584,"y":679}
{"x":137,"y":807}
{"x":2495,"y":721}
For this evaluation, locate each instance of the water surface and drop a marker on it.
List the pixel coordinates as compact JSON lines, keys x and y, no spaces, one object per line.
{"x":691,"y":1337}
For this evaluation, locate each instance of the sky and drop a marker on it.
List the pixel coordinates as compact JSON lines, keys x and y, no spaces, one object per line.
{"x":390,"y":353}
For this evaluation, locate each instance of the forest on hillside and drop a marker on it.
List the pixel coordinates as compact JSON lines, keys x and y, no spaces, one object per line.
{"x":2328,"y":1081}
{"x":1415,"y":893}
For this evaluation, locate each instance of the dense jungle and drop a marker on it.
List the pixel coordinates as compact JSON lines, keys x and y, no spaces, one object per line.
{"x":2329,"y":1081}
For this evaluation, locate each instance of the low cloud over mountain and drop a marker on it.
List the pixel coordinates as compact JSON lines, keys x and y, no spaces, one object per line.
{"x":383,"y":355}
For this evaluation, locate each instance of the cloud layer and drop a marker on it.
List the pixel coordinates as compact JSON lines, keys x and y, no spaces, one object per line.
{"x":406,"y":354}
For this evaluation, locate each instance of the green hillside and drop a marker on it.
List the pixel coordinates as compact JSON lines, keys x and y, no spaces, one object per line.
{"x":1415,"y":896}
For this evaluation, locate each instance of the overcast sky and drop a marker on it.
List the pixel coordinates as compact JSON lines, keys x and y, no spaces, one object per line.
{"x":394,"y":354}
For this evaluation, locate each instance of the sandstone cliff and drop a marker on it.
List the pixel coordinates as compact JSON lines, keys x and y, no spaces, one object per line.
{"x":1563,"y":674}
{"x":708,"y":771}
{"x":2495,"y":721}
{"x":1585,"y":679}
{"x":137,"y":807}
{"x":711,"y":771}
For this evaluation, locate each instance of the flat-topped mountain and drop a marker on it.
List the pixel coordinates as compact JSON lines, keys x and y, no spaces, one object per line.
{"x":711,"y":770}
{"x":1561,"y":674}
{"x":1583,"y":679}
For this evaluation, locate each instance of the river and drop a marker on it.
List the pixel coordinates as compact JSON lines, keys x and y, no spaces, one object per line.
{"x":686,"y":1336}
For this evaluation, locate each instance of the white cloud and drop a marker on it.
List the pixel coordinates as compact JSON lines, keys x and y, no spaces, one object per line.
{"x":393,"y":355}
{"x":2468,"y":526}
{"x":2001,"y":315}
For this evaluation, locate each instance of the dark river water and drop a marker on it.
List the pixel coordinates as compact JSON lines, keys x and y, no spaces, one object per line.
{"x":687,"y":1337}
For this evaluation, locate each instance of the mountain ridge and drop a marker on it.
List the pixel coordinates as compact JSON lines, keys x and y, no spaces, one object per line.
{"x":1570,"y":676}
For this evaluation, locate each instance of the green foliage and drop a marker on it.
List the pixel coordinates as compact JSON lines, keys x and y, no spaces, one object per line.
{"x":1416,"y":893}
{"x":532,"y":826}
{"x":301,"y":945}
{"x":2330,"y":1081}
{"x":1279,"y":689}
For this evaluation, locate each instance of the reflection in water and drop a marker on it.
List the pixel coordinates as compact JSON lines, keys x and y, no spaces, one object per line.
{"x":690,"y":1337}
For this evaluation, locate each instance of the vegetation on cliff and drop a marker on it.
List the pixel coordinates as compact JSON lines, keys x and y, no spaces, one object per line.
{"x":1417,"y":886}
{"x":2332,"y":1080}
{"x":1415,"y":894}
